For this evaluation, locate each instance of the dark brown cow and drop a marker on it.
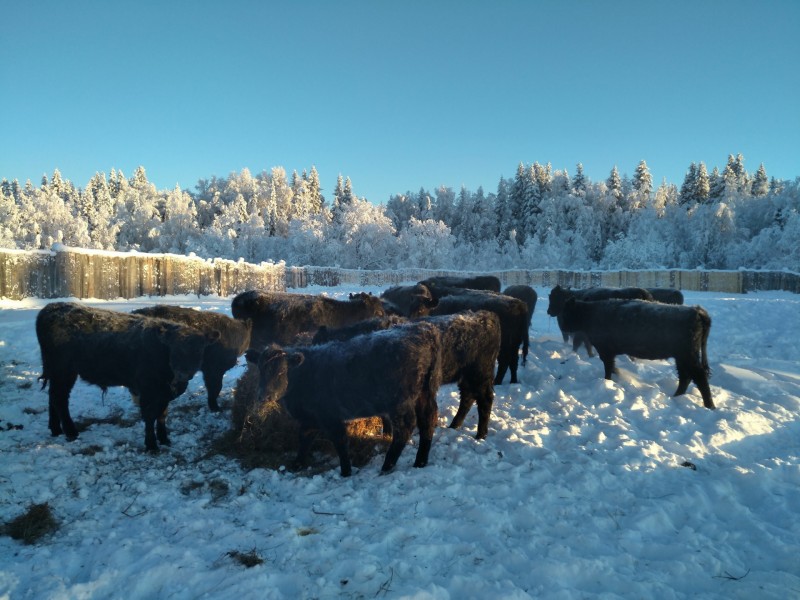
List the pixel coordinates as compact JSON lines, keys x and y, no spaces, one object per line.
{"x":559,"y":295}
{"x":647,"y":330}
{"x":153,"y":358}
{"x":513,"y":314}
{"x":221,"y":355}
{"x":470,"y":345}
{"x":394,"y":373}
{"x":529,"y":296}
{"x":666,"y":295}
{"x":488,"y":283}
{"x":283,"y":318}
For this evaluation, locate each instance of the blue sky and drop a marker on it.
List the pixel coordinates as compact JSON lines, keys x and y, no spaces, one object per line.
{"x":396,"y":95}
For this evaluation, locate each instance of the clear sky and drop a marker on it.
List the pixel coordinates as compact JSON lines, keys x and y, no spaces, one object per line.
{"x":396,"y":95}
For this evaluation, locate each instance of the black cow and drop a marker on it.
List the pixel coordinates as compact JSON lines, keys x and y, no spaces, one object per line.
{"x":153,"y":358}
{"x":221,"y":355}
{"x":489,"y":283}
{"x":393,"y":373}
{"x":398,"y":300}
{"x":283,"y":318}
{"x":647,"y":330}
{"x":470,"y":345}
{"x":513,"y":315}
{"x":529,"y":296}
{"x":559,"y":295}
{"x":666,"y":295}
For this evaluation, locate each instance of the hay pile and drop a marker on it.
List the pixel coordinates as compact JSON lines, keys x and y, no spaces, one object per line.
{"x":265,"y":435}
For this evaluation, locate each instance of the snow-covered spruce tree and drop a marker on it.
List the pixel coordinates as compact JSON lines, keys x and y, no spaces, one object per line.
{"x":579,"y":182}
{"x":760,"y":184}
{"x":688,"y":194}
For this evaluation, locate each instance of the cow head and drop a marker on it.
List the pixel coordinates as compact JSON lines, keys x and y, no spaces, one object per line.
{"x":372,"y":304}
{"x":273,"y":372}
{"x":186,"y":347}
{"x":558,"y":296}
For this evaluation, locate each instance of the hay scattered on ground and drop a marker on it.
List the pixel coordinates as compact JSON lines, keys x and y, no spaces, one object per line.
{"x":31,"y":526}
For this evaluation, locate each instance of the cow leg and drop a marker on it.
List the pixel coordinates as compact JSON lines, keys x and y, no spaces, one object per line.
{"x":402,"y":426}
{"x":306,"y":436}
{"x":684,"y":378}
{"x":427,"y":412}
{"x":700,"y":377}
{"x":337,"y":433}
{"x":161,"y":427}
{"x":513,"y":364}
{"x":466,"y":400}
{"x":485,"y":401}
{"x":502,"y":367}
{"x":608,"y":364}
{"x":150,"y":414}
{"x":213,"y":380}
{"x":59,"y":418}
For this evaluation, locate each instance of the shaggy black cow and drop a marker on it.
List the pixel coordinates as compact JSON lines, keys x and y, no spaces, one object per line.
{"x":470,"y":345}
{"x":529,"y":296}
{"x":221,"y":355}
{"x":393,"y":373}
{"x":513,"y":315}
{"x":647,"y":330}
{"x":398,"y":300}
{"x":559,"y":295}
{"x":666,"y":295}
{"x":489,"y":283}
{"x":281,"y":317}
{"x":153,"y":358}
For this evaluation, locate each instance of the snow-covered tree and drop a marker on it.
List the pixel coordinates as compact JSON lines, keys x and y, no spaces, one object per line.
{"x":760,"y":184}
{"x":426,"y":244}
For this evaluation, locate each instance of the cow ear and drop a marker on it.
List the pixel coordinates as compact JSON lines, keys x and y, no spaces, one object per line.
{"x":295,"y":359}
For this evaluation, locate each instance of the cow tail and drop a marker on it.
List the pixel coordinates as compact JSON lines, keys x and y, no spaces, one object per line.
{"x":706,"y":329}
{"x":525,"y":342}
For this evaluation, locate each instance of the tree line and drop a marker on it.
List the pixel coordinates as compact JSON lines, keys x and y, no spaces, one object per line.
{"x":539,"y":219}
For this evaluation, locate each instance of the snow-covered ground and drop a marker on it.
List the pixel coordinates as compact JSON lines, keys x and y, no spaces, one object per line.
{"x":578,"y":491}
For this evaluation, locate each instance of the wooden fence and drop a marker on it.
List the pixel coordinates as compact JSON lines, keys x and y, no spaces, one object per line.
{"x":73,"y":273}
{"x":738,"y":282}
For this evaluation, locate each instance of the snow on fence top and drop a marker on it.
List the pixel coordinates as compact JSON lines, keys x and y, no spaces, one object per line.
{"x":70,"y":272}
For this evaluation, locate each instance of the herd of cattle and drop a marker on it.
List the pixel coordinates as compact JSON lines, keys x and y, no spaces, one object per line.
{"x":329,"y":361}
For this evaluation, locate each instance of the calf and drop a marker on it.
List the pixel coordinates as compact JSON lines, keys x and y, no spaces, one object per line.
{"x":647,"y":330}
{"x":529,"y":296}
{"x":153,"y":358}
{"x":283,"y":318}
{"x":513,"y":316}
{"x":488,"y":283}
{"x":559,"y":295}
{"x":470,"y":345}
{"x":219,"y":356}
{"x":393,"y":373}
{"x":666,"y":295}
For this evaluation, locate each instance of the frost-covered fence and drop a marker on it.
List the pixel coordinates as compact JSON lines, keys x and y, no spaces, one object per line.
{"x":67,"y":272}
{"x":737,"y":282}
{"x":73,"y":273}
